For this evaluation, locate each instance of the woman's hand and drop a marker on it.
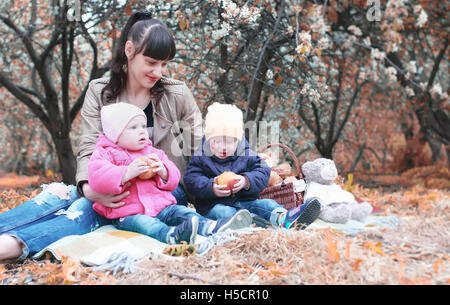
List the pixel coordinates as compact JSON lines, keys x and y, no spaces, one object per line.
{"x":108,"y":200}
{"x":158,"y":167}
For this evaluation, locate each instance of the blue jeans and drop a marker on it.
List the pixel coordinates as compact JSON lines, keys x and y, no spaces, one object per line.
{"x":180,"y":195}
{"x":48,"y":217}
{"x":158,"y":227}
{"x":265,"y":208}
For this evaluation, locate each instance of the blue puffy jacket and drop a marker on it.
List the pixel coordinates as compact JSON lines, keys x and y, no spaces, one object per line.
{"x":204,"y":166}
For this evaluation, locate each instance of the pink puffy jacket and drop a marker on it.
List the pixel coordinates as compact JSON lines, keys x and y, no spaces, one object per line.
{"x":108,"y":165}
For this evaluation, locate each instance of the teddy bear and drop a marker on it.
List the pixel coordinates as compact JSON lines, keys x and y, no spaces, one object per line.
{"x":337,"y":205}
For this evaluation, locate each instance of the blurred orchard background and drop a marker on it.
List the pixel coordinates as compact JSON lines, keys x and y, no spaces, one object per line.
{"x":364,"y":82}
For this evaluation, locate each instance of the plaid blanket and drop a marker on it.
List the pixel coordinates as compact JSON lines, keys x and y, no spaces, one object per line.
{"x":108,"y":248}
{"x":353,"y":227}
{"x":97,"y":247}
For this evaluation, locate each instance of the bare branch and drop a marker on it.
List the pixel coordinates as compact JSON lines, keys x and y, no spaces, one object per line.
{"x":24,"y":98}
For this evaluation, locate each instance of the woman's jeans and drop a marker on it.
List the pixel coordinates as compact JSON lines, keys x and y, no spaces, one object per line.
{"x":52,"y":215}
{"x":266,"y":208}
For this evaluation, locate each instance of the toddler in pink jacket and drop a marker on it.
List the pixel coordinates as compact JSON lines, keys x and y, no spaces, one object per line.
{"x":150,"y":208}
{"x":115,"y":162}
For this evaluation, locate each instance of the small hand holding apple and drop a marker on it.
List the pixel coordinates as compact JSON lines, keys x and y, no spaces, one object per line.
{"x":239,"y":184}
{"x":228,"y":183}
{"x":134,"y":169}
{"x":220,"y":190}
{"x":157,"y":166}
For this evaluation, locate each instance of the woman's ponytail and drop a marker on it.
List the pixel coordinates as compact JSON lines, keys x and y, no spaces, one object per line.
{"x":135,"y":17}
{"x":118,"y":78}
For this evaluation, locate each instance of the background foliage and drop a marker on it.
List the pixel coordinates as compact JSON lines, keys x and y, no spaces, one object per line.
{"x":362,"y":82}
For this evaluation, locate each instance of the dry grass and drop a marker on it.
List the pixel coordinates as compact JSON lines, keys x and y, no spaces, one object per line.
{"x":416,"y":253}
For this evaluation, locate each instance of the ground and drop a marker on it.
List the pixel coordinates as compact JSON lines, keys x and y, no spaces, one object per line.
{"x":417,"y":252}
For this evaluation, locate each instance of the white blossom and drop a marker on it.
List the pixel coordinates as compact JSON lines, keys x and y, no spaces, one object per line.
{"x":377,"y":54}
{"x":269,"y":74}
{"x":409,"y":91}
{"x":323,"y":43}
{"x":304,"y":46}
{"x":290,"y":29}
{"x":355,"y":30}
{"x":417,"y":8}
{"x":305,"y":89}
{"x":422,"y":19}
{"x":411,"y":67}
{"x":436,"y":89}
{"x":319,"y":25}
{"x":223,"y":31}
{"x":304,"y":37}
{"x":391,"y":73}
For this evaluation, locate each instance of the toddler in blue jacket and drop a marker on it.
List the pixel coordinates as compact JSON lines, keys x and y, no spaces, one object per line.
{"x":224,"y":148}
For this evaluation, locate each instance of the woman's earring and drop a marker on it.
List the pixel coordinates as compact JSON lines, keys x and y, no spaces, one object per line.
{"x":125,"y":68}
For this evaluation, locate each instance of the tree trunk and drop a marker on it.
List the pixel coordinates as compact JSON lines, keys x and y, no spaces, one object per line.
{"x":326,"y":151}
{"x":66,"y":158}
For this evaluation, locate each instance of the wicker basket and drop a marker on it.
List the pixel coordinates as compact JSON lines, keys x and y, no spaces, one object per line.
{"x":285,"y":193}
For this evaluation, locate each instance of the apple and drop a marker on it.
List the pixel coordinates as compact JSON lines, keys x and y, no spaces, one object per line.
{"x":227,"y":178}
{"x":274,"y":179}
{"x":148,"y":174}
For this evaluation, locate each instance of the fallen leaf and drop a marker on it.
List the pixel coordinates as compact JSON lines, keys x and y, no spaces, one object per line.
{"x":376,"y":248}
{"x":332,"y":252}
{"x":356,"y":263}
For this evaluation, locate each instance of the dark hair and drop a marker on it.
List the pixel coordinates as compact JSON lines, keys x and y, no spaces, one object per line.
{"x":150,"y":37}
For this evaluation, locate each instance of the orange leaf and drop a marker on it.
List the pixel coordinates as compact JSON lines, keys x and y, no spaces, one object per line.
{"x":2,"y":272}
{"x":71,"y":270}
{"x":356,"y":263}
{"x":333,"y":255}
{"x":377,"y":248}
{"x":278,"y":80}
{"x":184,"y":23}
{"x":436,"y":264}
{"x":347,"y":249}
{"x":277,"y":270}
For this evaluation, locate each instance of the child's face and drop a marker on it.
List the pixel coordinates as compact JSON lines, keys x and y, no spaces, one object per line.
{"x":135,"y":134}
{"x":222,"y":146}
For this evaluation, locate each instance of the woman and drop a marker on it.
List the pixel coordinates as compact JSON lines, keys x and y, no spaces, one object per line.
{"x":174,"y":121}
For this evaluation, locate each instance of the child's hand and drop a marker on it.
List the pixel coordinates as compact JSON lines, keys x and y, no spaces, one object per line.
{"x":240,"y":183}
{"x":158,"y":166}
{"x":220,"y":190}
{"x":135,"y":168}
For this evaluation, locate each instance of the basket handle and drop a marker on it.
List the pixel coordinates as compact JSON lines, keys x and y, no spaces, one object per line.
{"x":290,"y":152}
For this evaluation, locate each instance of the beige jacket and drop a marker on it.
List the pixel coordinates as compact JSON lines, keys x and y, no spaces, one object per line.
{"x":177,"y":123}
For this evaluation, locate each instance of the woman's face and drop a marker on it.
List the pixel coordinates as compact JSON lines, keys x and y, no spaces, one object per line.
{"x":143,"y":69}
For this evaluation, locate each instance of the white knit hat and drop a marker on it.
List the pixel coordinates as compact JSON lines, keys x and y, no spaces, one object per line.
{"x":224,"y":120}
{"x":115,"y":118}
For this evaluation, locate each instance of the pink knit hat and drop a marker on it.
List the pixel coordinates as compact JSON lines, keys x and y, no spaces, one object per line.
{"x":115,"y":118}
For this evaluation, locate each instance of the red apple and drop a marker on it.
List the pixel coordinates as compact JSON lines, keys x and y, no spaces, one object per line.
{"x":227,"y":178}
{"x":149,"y":174}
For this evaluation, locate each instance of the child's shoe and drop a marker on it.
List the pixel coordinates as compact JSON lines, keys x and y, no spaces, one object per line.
{"x":302,"y":215}
{"x":241,"y":219}
{"x":186,"y":231}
